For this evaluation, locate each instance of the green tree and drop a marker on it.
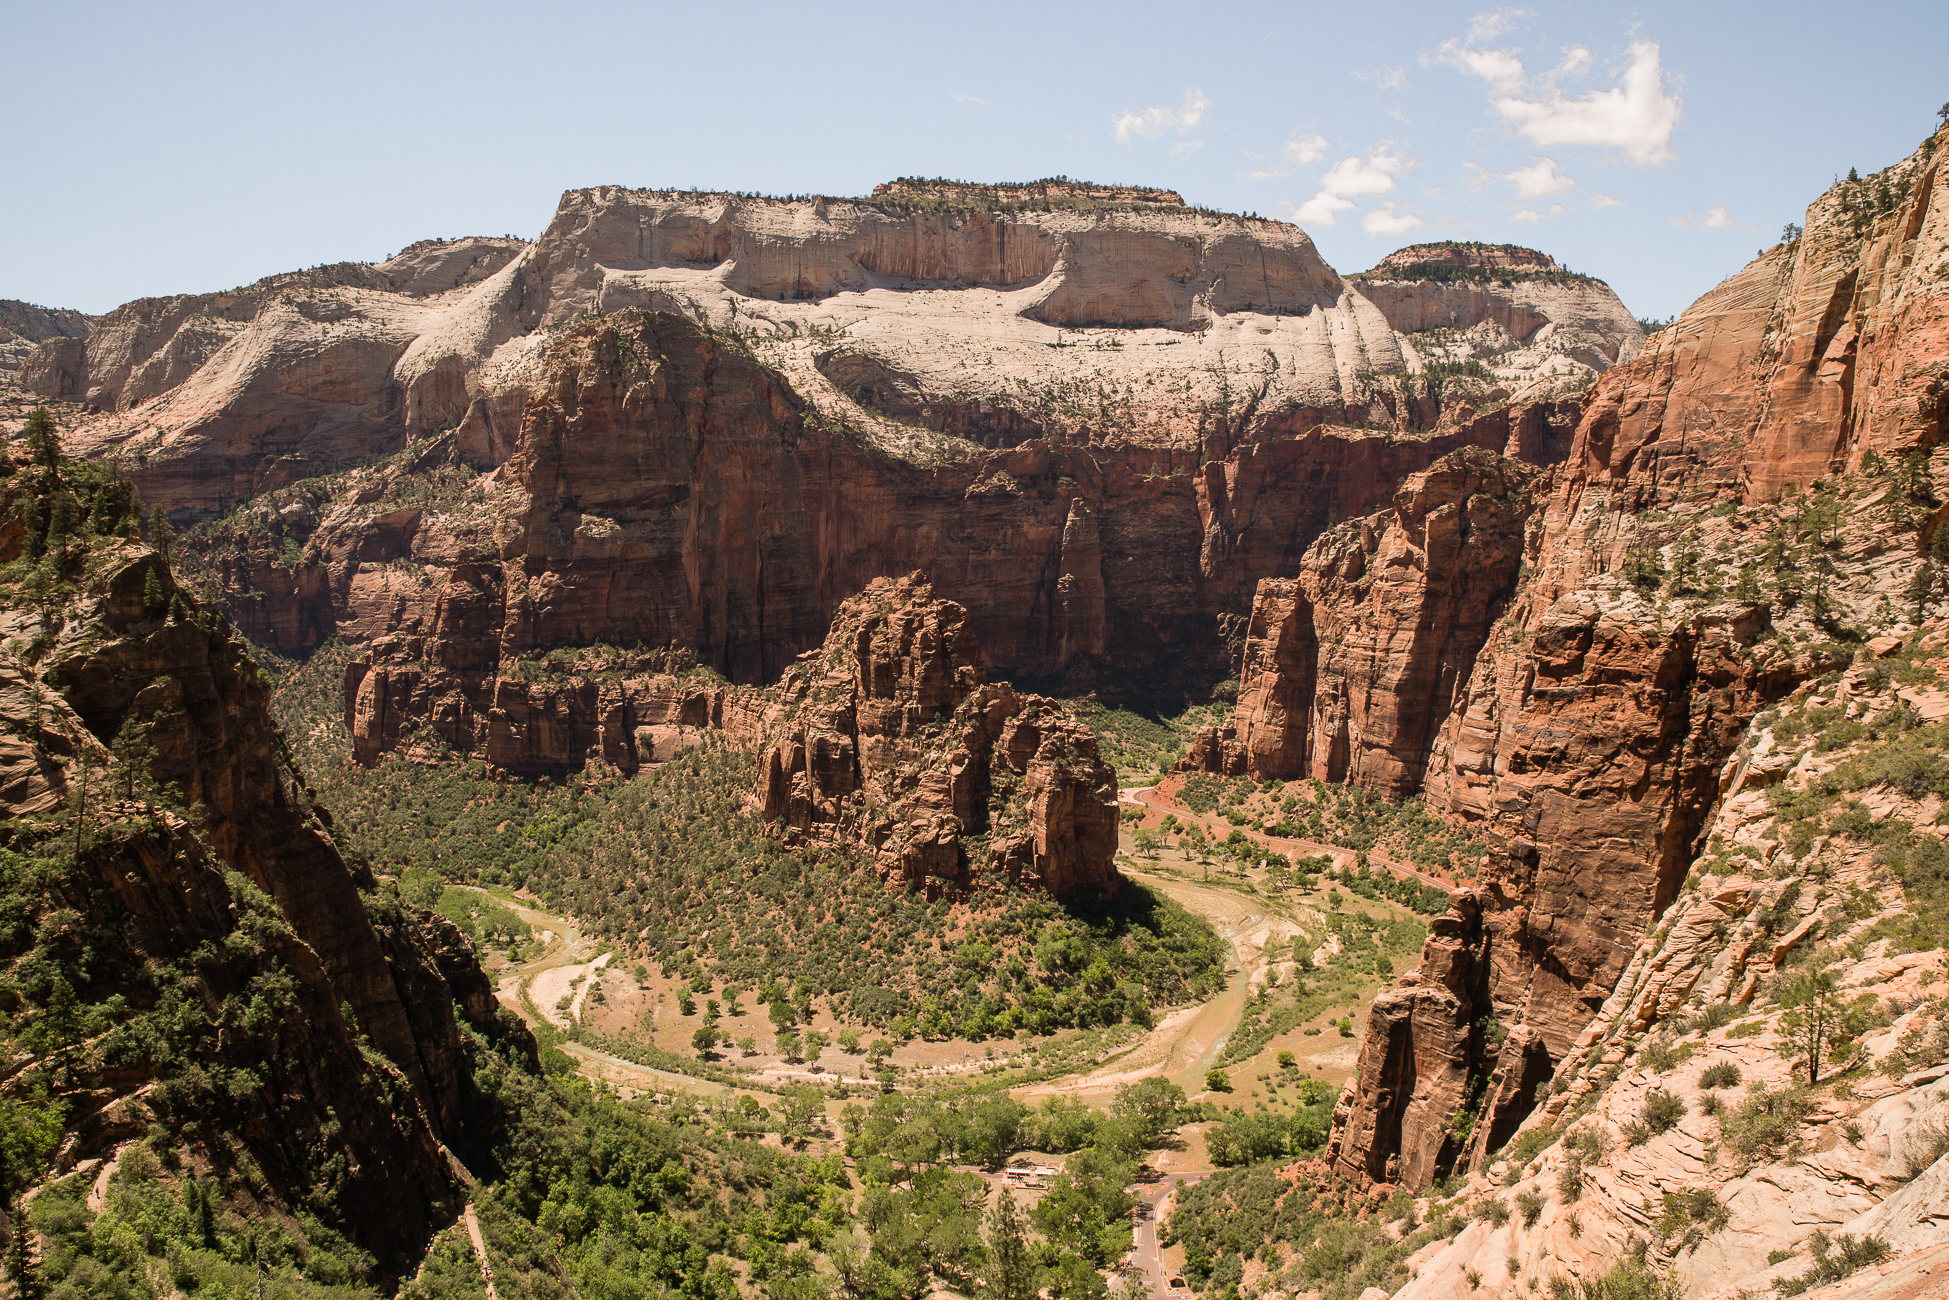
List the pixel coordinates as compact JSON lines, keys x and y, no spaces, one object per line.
{"x":43,"y":438}
{"x":161,"y":535}
{"x":1218,"y":1081}
{"x":1008,"y":1270}
{"x":135,"y":753}
{"x":1087,"y":1209}
{"x":152,"y":598}
{"x":61,"y":518}
{"x":1819,"y":1026}
{"x":1154,"y":1102}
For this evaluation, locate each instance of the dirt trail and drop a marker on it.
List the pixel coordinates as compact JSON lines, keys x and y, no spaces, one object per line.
{"x":1182,"y":1046}
{"x":1190,"y":1040}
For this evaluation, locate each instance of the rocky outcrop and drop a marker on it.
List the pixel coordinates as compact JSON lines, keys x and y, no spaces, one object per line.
{"x":1855,"y":1155}
{"x":1591,"y":733}
{"x":200,"y":852}
{"x":954,"y":308}
{"x":1819,"y":356}
{"x":1424,"y":1044}
{"x":23,"y":326}
{"x":1348,"y":667}
{"x":891,"y":737}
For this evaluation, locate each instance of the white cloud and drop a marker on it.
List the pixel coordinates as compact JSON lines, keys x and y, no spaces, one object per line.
{"x":1307,"y":148}
{"x":1350,"y":178}
{"x":1394,"y":78}
{"x":960,"y":98}
{"x":1159,"y":118}
{"x":1386,"y":220}
{"x":1716,"y":218}
{"x":1539,"y":179}
{"x":1303,"y":148}
{"x":1500,"y":68}
{"x":1606,"y":201}
{"x":1531,"y":214}
{"x":1185,"y":148}
{"x":1576,"y":58}
{"x":1488,"y":26}
{"x":1321,"y":210}
{"x":1636,"y":116}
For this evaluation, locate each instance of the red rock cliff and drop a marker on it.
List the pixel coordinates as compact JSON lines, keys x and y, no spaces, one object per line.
{"x":1591,"y":733}
{"x":891,"y":736}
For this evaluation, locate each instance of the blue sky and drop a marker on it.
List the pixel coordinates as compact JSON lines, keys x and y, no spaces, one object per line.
{"x":168,"y":149}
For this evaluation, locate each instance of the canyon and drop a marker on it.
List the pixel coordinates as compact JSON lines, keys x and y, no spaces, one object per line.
{"x":845,"y":483}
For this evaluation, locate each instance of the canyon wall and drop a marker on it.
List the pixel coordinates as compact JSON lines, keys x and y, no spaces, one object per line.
{"x":665,"y":490}
{"x":203,"y":878}
{"x":1667,"y":595}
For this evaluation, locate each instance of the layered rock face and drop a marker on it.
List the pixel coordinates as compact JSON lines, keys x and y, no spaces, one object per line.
{"x":1594,"y":725}
{"x":666,"y":491}
{"x":1347,"y":667}
{"x":1512,"y":312}
{"x":24,"y":326}
{"x":247,"y":887}
{"x":1856,"y":1155}
{"x":214,"y":397}
{"x":962,"y":310}
{"x":1817,"y":355}
{"x":890,"y":736}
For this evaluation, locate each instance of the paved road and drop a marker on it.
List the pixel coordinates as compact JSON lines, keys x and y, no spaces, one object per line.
{"x":1147,"y":1254}
{"x":1148,"y":797}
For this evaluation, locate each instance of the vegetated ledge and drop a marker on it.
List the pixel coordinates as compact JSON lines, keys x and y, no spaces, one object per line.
{"x":1461,"y":261}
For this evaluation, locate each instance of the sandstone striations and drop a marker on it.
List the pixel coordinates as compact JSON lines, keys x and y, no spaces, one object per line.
{"x":1759,"y":1165}
{"x":891,"y":736}
{"x":667,"y":491}
{"x":1510,"y":313}
{"x":1098,"y":419}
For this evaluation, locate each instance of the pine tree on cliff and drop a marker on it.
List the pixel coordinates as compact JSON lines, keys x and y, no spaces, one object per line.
{"x":43,"y":439}
{"x":160,"y":533}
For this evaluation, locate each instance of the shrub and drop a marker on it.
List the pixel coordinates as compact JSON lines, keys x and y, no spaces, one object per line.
{"x":1495,"y":1211}
{"x":1724,"y":1074}
{"x":1589,"y":1145}
{"x":1530,"y":1205}
{"x":1834,"y":1259}
{"x":1695,"y":1213}
{"x":1764,"y":1124}
{"x":1635,"y":1133}
{"x":1527,"y":1144}
{"x":1570,"y":1181}
{"x":1663,"y":1110}
{"x":1660,"y":1056}
{"x":1925,"y":1144}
